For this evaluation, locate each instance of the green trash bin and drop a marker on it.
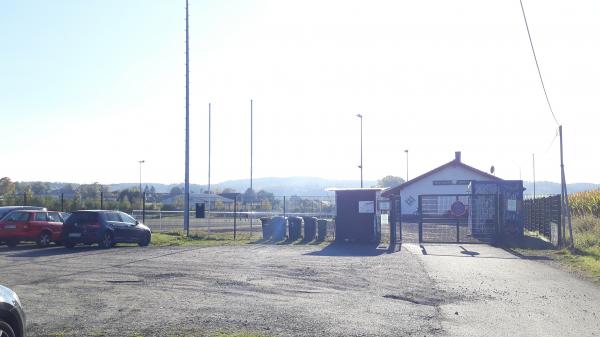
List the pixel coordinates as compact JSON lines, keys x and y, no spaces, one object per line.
{"x":310,"y":228}
{"x":266,"y":228}
{"x":277,"y":225}
{"x":294,"y":227}
{"x":321,"y":229}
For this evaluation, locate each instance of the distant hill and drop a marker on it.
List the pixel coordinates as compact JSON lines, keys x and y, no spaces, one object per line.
{"x":312,"y":186}
{"x":548,"y":187}
{"x":301,"y":186}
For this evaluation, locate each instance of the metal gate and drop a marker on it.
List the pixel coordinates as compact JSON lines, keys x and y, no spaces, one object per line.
{"x":395,"y":220}
{"x":458,"y":218}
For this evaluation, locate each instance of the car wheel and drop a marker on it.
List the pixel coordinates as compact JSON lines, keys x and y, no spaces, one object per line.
{"x":107,"y":241}
{"x":145,"y":241}
{"x":44,"y":239}
{"x":12,"y":243}
{"x":69,"y":245}
{"x":6,"y":330}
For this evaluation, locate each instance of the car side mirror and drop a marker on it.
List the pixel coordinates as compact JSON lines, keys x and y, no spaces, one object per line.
{"x":137,"y":222}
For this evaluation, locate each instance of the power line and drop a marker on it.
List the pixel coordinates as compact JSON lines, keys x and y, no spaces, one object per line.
{"x":552,"y":142}
{"x":537,"y":64}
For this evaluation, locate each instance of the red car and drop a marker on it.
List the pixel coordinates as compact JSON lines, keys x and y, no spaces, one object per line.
{"x":31,"y":225}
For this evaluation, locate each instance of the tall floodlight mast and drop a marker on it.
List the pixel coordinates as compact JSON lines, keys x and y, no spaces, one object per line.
{"x":186,"y":215}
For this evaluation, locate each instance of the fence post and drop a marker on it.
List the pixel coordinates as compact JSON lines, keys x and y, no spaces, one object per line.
{"x":457,"y":231}
{"x":24,"y":198}
{"x":144,"y":207}
{"x":234,"y":217}
{"x":284,"y":205}
{"x":62,"y":202}
{"x":101,"y":200}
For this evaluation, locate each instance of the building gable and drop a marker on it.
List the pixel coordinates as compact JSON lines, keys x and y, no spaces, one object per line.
{"x":444,"y":176}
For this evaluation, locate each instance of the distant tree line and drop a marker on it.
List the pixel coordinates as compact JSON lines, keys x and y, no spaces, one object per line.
{"x":71,"y":197}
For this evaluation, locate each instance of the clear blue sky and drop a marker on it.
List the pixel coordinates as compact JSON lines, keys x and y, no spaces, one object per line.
{"x":88,"y":88}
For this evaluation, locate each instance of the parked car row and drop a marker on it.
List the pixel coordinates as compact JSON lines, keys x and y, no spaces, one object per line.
{"x":37,"y":224}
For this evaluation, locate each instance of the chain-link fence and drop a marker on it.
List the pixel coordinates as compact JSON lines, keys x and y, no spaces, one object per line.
{"x":165,"y":212}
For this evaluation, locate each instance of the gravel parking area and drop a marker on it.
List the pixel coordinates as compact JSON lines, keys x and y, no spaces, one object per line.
{"x":297,"y":290}
{"x":279,"y":290}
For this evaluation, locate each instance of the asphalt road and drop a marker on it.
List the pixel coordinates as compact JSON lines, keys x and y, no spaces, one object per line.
{"x":507,"y":294}
{"x":297,"y":290}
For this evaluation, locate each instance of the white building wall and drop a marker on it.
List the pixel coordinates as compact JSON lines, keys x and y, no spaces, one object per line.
{"x":410,"y":194}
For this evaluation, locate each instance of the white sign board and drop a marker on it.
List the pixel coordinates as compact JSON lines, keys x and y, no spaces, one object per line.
{"x":511,"y":205}
{"x":366,"y":207}
{"x":385,"y":220}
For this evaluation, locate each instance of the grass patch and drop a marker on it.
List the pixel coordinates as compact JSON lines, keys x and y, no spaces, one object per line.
{"x":203,"y":238}
{"x":198,"y":238}
{"x":583,"y":259}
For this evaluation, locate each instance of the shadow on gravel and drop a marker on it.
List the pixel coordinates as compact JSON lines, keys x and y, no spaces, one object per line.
{"x":5,"y":249}
{"x":287,"y":242}
{"x":60,"y":250}
{"x":350,"y":249}
{"x":528,"y":242}
{"x":525,"y":257}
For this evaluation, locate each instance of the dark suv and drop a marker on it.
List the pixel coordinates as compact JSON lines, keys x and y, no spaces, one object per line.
{"x":106,"y":228}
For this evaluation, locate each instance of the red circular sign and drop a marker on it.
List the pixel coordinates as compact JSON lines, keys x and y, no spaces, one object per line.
{"x":458,"y":208}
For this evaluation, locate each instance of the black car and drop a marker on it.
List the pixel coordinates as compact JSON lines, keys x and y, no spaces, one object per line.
{"x":106,"y":228}
{"x":12,"y":317}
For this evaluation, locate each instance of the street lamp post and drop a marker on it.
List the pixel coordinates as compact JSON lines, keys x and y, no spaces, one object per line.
{"x":141,"y":162}
{"x":406,"y":151}
{"x":141,"y":193}
{"x":361,"y":150}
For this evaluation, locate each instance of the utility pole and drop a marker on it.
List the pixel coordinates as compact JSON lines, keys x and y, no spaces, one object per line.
{"x":533,"y":158}
{"x":186,"y":214}
{"x":565,"y":196}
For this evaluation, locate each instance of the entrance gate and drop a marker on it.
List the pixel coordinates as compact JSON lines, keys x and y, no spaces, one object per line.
{"x":458,"y":218}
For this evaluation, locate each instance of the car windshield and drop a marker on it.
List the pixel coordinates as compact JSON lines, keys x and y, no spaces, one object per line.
{"x":54,"y":217}
{"x":5,"y":211}
{"x":127,"y":218}
{"x":83,"y":217}
{"x":17,"y":216}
